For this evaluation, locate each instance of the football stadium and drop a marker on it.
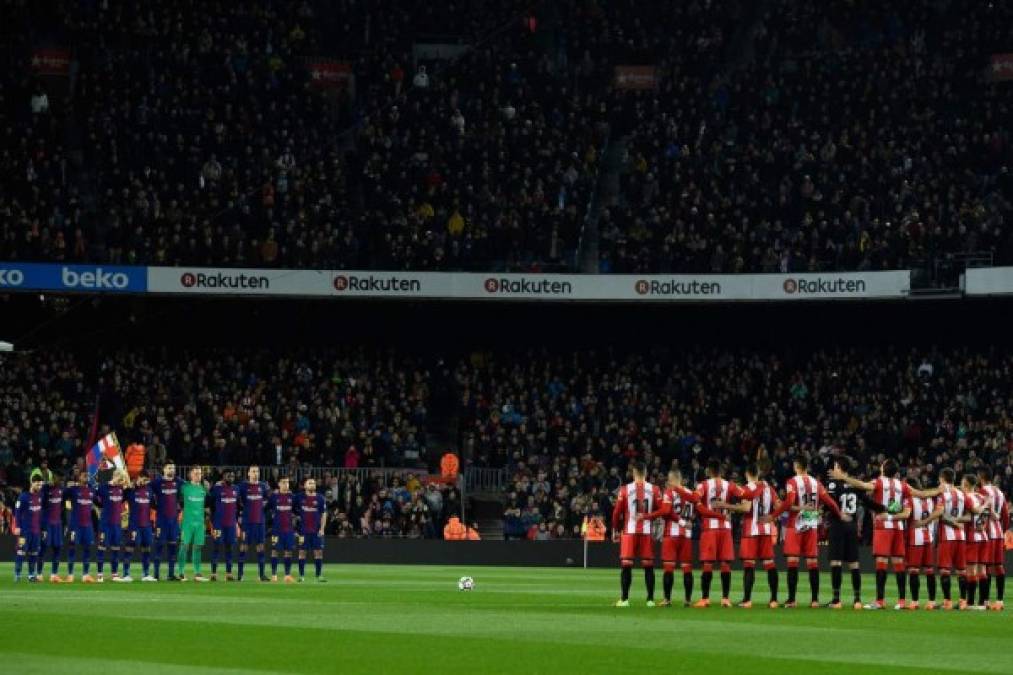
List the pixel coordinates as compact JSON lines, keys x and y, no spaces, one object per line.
{"x":505,"y":336}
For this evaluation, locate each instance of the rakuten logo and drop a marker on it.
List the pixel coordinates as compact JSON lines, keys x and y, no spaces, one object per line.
{"x":676,"y":287}
{"x":99,"y":280}
{"x":236,"y":281}
{"x":371,"y":283}
{"x":11,"y":278}
{"x":823,"y":286}
{"x":504,"y":286}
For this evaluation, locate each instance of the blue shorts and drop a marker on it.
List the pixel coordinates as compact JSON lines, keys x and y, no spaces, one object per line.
{"x":167,"y":532}
{"x":226,"y":536}
{"x":111,"y":535}
{"x":312,"y":542}
{"x":253,"y":533}
{"x":33,"y":543}
{"x":284,"y":541}
{"x":53,"y":536}
{"x":83,"y":536}
{"x":141,"y":536}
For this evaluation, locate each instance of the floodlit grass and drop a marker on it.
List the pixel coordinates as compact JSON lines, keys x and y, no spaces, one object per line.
{"x":412,"y":619}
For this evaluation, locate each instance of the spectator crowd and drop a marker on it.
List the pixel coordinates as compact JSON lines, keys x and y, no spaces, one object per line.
{"x":780,"y":135}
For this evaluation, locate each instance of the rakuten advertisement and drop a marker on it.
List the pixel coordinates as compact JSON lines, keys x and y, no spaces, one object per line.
{"x":223,"y":281}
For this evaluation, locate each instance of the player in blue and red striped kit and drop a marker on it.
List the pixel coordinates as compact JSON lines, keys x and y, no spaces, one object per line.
{"x":28,"y":520}
{"x":141,"y":536}
{"x":312,"y":512}
{"x":165,"y":499}
{"x":224,"y":523}
{"x":253,"y":494}
{"x":110,"y":498}
{"x":82,"y":532}
{"x":279,"y":504}
{"x":52,"y":534}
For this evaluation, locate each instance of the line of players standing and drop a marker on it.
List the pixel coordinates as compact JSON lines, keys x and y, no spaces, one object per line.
{"x":141,"y":518}
{"x":945,"y":531}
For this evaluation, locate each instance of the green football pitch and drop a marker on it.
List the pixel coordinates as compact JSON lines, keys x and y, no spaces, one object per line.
{"x":412,"y":619}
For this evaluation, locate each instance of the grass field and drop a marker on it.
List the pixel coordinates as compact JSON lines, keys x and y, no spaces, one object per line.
{"x":412,"y":619}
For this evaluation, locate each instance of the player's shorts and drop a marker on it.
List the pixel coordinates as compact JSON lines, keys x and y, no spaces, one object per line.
{"x":889,"y":543}
{"x":314,"y":542}
{"x":141,"y":536}
{"x":920,"y":556}
{"x":801,"y":544}
{"x":842,"y":544}
{"x":716,"y":545}
{"x":633,"y":546}
{"x":973,"y":552}
{"x":951,"y":555}
{"x":166,"y":532}
{"x":111,"y":535}
{"x":283,"y":542}
{"x":253,"y":533}
{"x":677,"y":550}
{"x":997,"y":554}
{"x":30,"y":544}
{"x":192,"y":533}
{"x":226,"y":536}
{"x":52,"y":536}
{"x":82,"y":536}
{"x":756,"y":548}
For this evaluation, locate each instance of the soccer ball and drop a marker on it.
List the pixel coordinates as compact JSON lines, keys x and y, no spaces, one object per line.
{"x":465,"y":584}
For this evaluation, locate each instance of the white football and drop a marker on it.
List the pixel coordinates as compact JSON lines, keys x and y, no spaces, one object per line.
{"x":465,"y":584}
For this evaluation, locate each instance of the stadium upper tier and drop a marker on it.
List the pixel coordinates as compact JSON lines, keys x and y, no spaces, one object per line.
{"x":762,"y":136}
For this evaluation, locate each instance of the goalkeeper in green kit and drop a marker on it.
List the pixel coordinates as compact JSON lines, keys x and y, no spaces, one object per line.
{"x":192,"y":528}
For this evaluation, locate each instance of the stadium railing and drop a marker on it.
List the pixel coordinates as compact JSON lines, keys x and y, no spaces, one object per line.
{"x":481,"y":479}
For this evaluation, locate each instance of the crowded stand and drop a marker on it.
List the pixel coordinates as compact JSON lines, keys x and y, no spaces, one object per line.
{"x":199,"y":134}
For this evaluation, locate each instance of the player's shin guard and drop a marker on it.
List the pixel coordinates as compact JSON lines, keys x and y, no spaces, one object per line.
{"x":34,"y":568}
{"x":128,"y":554}
{"x":260,"y":562}
{"x":71,"y":554}
{"x":195,"y":558}
{"x":318,"y":564}
{"x":242,"y":562}
{"x":748,"y":577}
{"x":836,"y":577}
{"x":773,"y":580}
{"x":667,"y":583}
{"x":1000,"y":584}
{"x":726,"y":580}
{"x":705,"y":581}
{"x":962,"y":586}
{"x":687,"y":582}
{"x":86,"y":559}
{"x":792,"y":581}
{"x":814,"y":581}
{"x":274,"y":563}
{"x":55,"y":562}
{"x":19,"y":562}
{"x":100,"y":558}
{"x":944,"y":583}
{"x":146,"y":561}
{"x":916,"y":584}
{"x":930,"y":584}
{"x":158,"y":561}
{"x":302,"y":568}
{"x":984,"y":589}
{"x":901,"y":575}
{"x":114,"y":564}
{"x":648,"y":579}
{"x":288,"y":566}
{"x":880,"y":581}
{"x":972,"y":588}
{"x":172,"y":548}
{"x":625,"y":578}
{"x":214,"y":557}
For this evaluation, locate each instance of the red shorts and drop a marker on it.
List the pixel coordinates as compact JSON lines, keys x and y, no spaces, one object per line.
{"x":637,"y":546}
{"x":996,"y":552}
{"x":716,"y":546}
{"x":801,"y":544}
{"x":920,"y":556}
{"x":676,"y":550}
{"x":889,"y":543}
{"x":975,"y":552}
{"x":756,"y":548}
{"x":951,"y":555}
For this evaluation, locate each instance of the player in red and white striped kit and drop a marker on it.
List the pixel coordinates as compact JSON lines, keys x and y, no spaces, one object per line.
{"x":635,"y":499}
{"x":889,"y":543}
{"x":757,"y":543}
{"x":953,"y":510}
{"x":998,"y":524}
{"x":921,"y":555}
{"x":716,"y":544}
{"x":976,"y":545}
{"x":678,"y":507}
{"x":803,"y":493}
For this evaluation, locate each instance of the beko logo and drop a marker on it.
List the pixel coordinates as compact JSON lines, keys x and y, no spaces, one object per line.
{"x":97,"y":280}
{"x":11,"y":277}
